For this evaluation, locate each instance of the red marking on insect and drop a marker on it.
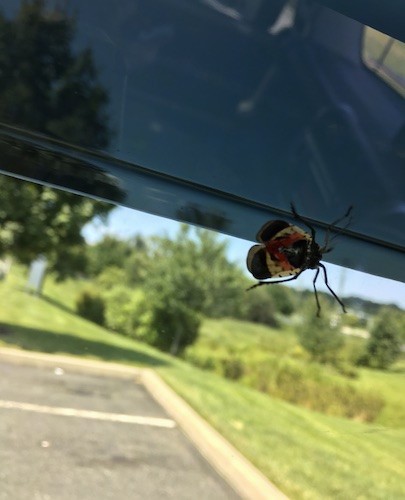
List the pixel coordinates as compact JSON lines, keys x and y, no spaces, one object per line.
{"x":276,"y":248}
{"x":285,"y":251}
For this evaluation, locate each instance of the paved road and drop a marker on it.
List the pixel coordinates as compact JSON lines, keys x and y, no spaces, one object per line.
{"x":61,"y":438}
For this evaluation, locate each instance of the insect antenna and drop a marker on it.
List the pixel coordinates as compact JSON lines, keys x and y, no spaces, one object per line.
{"x":328,"y":239}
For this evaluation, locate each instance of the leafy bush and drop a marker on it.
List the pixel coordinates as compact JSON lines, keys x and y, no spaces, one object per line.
{"x":223,"y":363}
{"x":354,"y":321}
{"x":259,"y":307}
{"x":384,"y":345}
{"x":110,"y":277}
{"x":352,"y":350}
{"x":300,"y":383}
{"x":125,"y":310}
{"x":320,"y":339}
{"x":90,"y":305}
{"x":346,"y":369}
{"x":108,"y":252}
{"x":311,"y":387}
{"x":170,"y":326}
{"x":233,"y":368}
{"x":194,"y":270}
{"x":202,"y":358}
{"x":283,"y":299}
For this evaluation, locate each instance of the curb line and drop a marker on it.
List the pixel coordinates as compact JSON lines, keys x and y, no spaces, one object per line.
{"x":244,"y":478}
{"x":241,"y":475}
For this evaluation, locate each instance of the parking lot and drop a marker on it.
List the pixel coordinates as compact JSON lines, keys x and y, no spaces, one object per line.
{"x":67,"y":435}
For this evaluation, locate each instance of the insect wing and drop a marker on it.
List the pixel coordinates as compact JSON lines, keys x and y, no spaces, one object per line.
{"x":256,"y":262}
{"x":277,"y":270}
{"x":262,"y":266}
{"x":269,"y":230}
{"x":293,"y":232}
{"x":282,"y":252}
{"x":289,"y":248}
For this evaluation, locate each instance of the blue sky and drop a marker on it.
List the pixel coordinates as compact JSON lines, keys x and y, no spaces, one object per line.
{"x":125,"y":222}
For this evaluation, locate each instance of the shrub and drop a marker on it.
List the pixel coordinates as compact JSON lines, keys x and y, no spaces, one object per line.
{"x":90,"y":305}
{"x":354,"y":321}
{"x":227,"y":365}
{"x":259,"y":307}
{"x":311,"y":387}
{"x":110,"y":277}
{"x":352,"y":350}
{"x":170,"y":327}
{"x":384,"y":345}
{"x":283,"y":299}
{"x":202,"y":358}
{"x":233,"y":368}
{"x":346,"y":369}
{"x":320,"y":339}
{"x":125,"y":310}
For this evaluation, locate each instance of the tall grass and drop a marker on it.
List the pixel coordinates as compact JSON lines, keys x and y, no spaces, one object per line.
{"x":306,"y":384}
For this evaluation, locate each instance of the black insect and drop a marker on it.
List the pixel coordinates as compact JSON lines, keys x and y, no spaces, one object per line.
{"x":285,"y":251}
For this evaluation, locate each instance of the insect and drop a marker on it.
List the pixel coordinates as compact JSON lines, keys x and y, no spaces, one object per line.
{"x":286,"y":251}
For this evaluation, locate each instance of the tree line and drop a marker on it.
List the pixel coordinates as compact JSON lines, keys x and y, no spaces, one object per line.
{"x":159,"y":289}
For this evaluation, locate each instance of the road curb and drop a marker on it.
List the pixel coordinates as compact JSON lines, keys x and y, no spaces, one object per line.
{"x":242,"y":476}
{"x":80,"y":365}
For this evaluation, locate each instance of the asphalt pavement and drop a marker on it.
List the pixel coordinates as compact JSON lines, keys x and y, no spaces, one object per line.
{"x":69,"y":435}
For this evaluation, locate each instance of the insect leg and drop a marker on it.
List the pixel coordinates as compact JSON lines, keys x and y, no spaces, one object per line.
{"x":330,"y":289}
{"x":347,"y":215}
{"x":261,"y":283}
{"x":318,"y":305}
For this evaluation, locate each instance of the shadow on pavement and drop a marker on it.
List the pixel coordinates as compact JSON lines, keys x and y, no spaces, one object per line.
{"x":33,"y":339}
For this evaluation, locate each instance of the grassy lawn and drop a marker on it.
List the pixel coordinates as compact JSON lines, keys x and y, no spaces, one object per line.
{"x":255,"y":341}
{"x":307,"y":454}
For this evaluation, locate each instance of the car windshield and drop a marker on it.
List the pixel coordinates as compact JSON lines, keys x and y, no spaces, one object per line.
{"x":202,"y":285}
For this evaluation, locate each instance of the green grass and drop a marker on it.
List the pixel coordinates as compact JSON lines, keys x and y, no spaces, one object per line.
{"x":241,"y":336}
{"x":49,"y":324}
{"x":307,"y":454}
{"x":391,"y":384}
{"x":274,"y":349}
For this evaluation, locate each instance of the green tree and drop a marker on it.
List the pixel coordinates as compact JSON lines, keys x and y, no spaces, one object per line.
{"x":45,"y":86}
{"x":108,"y":252}
{"x":38,"y":220}
{"x":195,"y":263}
{"x":283,"y":299}
{"x":384,"y":345}
{"x":111,"y":254}
{"x":259,"y":306}
{"x":189,"y":276}
{"x":126,"y":311}
{"x":319,"y":338}
{"x":139,"y":263}
{"x":110,"y":277}
{"x":169,"y":325}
